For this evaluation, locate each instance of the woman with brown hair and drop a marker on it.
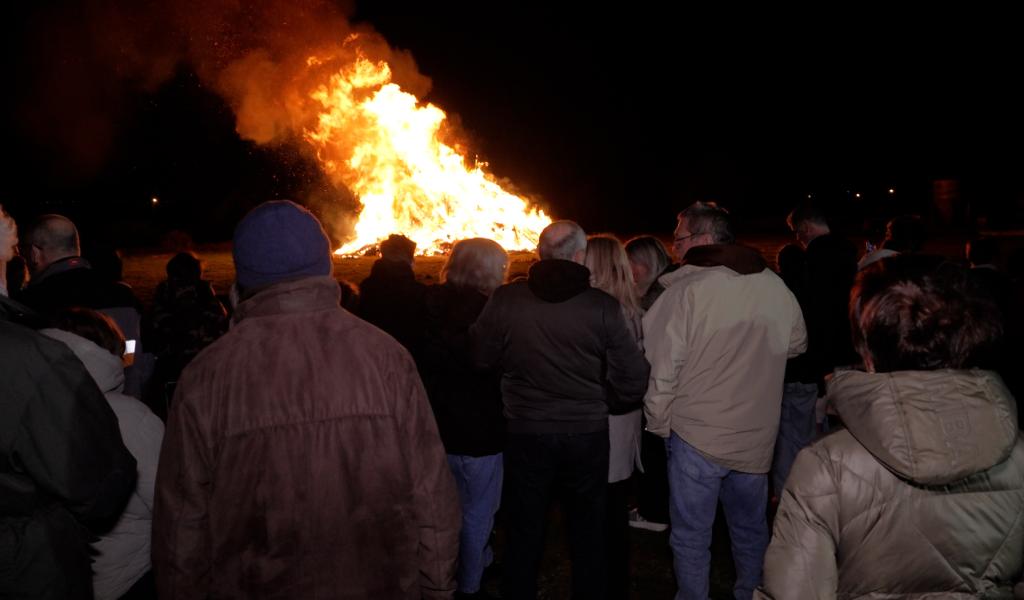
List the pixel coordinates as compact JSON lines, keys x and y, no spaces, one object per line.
{"x":923,"y":493}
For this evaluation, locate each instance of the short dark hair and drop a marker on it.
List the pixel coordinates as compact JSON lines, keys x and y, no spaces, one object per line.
{"x":708,"y":217}
{"x":905,"y":233}
{"x":185,"y":267}
{"x":107,"y":263}
{"x":808,"y":212}
{"x":983,"y":250}
{"x":92,"y":325}
{"x":398,"y":247}
{"x":792,"y":261}
{"x":914,"y":313}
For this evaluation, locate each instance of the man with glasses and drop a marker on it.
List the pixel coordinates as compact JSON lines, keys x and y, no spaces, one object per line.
{"x":62,"y":278}
{"x":718,"y":340}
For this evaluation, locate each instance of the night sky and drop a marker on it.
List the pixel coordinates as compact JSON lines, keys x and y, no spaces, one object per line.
{"x":616,"y":118}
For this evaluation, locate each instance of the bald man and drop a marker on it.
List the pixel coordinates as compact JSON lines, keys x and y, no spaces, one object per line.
{"x":566,"y":357}
{"x":60,"y":276}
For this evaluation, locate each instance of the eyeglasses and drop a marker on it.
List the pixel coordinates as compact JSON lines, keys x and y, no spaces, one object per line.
{"x":679,"y":239}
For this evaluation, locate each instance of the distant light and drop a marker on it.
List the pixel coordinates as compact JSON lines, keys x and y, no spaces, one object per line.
{"x":809,"y":195}
{"x":857,"y":195}
{"x":156,"y":201}
{"x":892,"y":191}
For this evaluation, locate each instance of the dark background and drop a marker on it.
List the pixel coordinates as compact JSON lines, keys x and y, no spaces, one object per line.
{"x":615,"y":117}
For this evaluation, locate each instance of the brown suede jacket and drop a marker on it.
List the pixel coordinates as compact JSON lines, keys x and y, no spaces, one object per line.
{"x":301,"y":460}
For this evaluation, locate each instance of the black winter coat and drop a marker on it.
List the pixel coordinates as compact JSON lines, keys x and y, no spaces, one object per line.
{"x":564,"y":350}
{"x":466,"y":400}
{"x":63,"y":468}
{"x":392,"y":299}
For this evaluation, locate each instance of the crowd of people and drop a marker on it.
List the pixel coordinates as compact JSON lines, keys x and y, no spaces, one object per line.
{"x":315,"y":439}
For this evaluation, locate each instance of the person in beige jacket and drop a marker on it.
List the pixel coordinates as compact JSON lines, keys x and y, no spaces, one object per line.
{"x":922,"y":495}
{"x":717,"y":340}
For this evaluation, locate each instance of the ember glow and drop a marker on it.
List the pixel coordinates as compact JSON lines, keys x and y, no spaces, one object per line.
{"x":386,"y":147}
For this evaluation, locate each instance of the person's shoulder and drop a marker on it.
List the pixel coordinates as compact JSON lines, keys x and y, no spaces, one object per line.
{"x":692,"y":279}
{"x":600,"y":298}
{"x":839,"y":451}
{"x":510,"y":291}
{"x":132,"y":411}
{"x":32,"y":359}
{"x":19,"y":343}
{"x":831,"y":247}
{"x":10,"y":332}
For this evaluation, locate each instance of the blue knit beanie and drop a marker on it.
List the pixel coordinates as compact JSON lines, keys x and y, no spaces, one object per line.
{"x":279,"y":241}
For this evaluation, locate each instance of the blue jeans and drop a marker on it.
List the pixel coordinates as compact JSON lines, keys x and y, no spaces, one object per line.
{"x":479,"y":481}
{"x":695,"y":486}
{"x":796,"y":429}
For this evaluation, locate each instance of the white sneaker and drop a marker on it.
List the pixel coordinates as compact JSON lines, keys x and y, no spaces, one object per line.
{"x":638,"y":522}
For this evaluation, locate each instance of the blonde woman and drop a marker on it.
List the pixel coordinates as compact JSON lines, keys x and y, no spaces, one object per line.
{"x":466,"y":402}
{"x":610,"y":272}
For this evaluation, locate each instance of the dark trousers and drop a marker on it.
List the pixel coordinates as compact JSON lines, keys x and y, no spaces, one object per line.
{"x":575,"y":466}
{"x":652,"y":495}
{"x":617,"y":528}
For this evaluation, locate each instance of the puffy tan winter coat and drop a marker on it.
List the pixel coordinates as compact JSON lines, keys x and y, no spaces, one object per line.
{"x":921,"y":497}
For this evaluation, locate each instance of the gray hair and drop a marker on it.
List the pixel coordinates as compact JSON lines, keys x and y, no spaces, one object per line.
{"x":476,"y":263}
{"x":562,"y":240}
{"x":709,"y":218}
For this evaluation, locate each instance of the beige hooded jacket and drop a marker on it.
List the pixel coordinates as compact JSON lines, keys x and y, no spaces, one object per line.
{"x":921,"y":497}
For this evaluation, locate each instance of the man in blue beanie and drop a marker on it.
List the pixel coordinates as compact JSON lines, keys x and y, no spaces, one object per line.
{"x":301,"y":457}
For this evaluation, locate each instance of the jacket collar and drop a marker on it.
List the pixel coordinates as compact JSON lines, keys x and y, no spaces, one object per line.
{"x":308,"y":294}
{"x":744,"y":260}
{"x":60,"y":266}
{"x":555,"y":280}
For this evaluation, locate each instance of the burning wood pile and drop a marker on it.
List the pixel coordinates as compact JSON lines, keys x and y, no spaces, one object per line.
{"x":386,"y":147}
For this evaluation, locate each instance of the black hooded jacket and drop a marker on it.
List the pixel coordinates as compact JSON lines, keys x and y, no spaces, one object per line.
{"x":564,"y":350}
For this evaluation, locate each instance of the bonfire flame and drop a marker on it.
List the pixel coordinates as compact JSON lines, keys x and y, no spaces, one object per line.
{"x":407,"y":180}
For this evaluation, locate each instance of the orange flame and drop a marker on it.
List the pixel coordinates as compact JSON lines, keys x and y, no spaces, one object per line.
{"x":407,"y":180}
